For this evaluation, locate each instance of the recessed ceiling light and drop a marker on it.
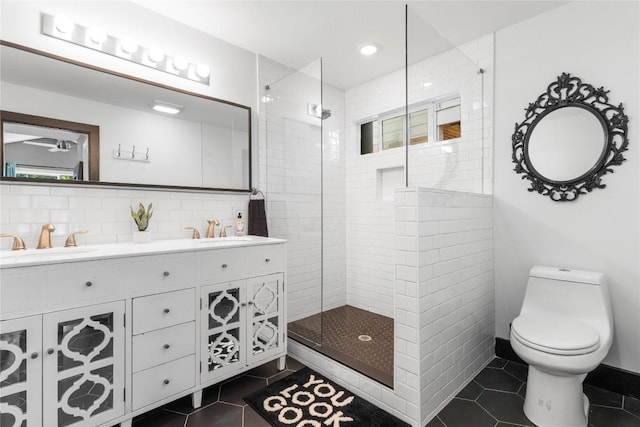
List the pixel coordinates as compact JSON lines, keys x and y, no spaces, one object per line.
{"x":369,"y":49}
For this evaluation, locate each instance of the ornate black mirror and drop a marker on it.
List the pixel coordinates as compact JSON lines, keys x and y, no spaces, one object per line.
{"x":570,"y":138}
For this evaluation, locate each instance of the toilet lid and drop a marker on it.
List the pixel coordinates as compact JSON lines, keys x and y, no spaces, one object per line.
{"x":555,"y":334}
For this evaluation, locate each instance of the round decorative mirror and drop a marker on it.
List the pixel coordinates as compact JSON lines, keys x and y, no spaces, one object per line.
{"x":570,"y":137}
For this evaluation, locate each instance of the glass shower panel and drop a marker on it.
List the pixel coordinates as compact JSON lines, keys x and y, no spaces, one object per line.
{"x":293,"y":179}
{"x":449,"y":148}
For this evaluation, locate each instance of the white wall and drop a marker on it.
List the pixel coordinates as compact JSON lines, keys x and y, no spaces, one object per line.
{"x":598,"y":42}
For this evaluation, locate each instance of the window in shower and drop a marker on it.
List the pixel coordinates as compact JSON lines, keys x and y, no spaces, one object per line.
{"x":432,"y":121}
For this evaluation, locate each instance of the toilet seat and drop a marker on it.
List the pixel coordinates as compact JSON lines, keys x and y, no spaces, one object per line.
{"x":555,"y":334}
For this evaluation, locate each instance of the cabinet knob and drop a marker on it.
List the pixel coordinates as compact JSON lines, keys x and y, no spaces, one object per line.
{"x":224,"y":265}
{"x":244,"y":304}
{"x":50,"y":351}
{"x":267,"y":260}
{"x":166,"y":381}
{"x":34,"y":355}
{"x":166,"y":310}
{"x":89,"y":284}
{"x":165,"y":274}
{"x":166,"y":346}
{"x":250,"y":303}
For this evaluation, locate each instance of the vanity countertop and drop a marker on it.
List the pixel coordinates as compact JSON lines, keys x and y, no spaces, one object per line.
{"x":32,"y":257}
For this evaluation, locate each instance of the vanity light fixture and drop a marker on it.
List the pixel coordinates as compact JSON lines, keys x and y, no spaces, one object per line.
{"x":64,"y":24}
{"x":97,"y":35}
{"x":96,"y":38}
{"x":155,"y":54}
{"x":368,"y":49}
{"x":128,"y":45}
{"x":166,"y":107}
{"x":180,"y":63}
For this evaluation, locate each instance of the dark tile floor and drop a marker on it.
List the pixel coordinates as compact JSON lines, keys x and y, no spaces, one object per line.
{"x":495,"y":397}
{"x":339,"y":329}
{"x":222,"y":404}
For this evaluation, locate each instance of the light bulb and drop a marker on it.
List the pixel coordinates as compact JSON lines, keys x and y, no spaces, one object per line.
{"x":202,"y":71}
{"x":368,"y":49}
{"x":128,"y":45}
{"x":156,"y":54}
{"x":180,"y":63}
{"x":97,"y":35}
{"x":64,"y":24}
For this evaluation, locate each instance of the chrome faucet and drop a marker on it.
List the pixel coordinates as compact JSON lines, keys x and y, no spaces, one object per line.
{"x":44,"y":242}
{"x":212,"y":228}
{"x":18,"y":243}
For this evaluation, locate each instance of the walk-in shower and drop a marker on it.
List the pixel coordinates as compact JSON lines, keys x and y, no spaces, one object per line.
{"x":331,"y":162}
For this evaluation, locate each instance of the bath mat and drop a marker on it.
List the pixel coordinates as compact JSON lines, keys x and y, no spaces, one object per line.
{"x":306,"y":398}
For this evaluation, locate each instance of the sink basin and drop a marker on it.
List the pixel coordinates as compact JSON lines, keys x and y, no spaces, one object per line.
{"x":30,"y":253}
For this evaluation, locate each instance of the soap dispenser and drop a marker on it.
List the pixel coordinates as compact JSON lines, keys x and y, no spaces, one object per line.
{"x":239,"y":226}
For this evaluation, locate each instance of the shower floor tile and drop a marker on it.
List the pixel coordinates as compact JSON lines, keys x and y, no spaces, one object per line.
{"x":341,"y":328}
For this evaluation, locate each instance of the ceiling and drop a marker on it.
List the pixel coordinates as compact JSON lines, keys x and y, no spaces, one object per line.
{"x":296,"y":33}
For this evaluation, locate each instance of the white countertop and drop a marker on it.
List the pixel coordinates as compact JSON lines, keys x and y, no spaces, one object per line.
{"x":31,"y":257}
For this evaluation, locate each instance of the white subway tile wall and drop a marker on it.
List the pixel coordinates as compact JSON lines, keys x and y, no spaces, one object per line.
{"x":462,"y":164}
{"x":444,"y":292}
{"x":104,"y":212}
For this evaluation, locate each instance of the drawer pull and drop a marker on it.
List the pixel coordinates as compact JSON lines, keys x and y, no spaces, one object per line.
{"x":166,"y":381}
{"x":165,"y":274}
{"x":166,"y":310}
{"x":166,"y":346}
{"x":50,"y":351}
{"x":34,"y":355}
{"x":224,"y":265}
{"x":89,"y":284}
{"x":267,"y":260}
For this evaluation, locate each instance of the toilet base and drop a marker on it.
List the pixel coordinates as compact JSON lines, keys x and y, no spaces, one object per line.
{"x":555,"y":401}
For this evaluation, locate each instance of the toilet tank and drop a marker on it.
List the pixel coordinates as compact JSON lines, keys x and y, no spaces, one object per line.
{"x":580,"y":294}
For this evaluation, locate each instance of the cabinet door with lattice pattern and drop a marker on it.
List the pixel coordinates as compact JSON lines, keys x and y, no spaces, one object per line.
{"x":83,"y":365}
{"x":265,"y":316}
{"x":21,"y":372}
{"x":223,"y":328}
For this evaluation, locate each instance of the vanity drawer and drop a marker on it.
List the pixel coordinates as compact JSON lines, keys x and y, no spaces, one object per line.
{"x":19,"y":290}
{"x":265,"y":259}
{"x":223,"y":265}
{"x":163,"y":381}
{"x":162,"y":346}
{"x":162,"y":310}
{"x":161,"y":272}
{"x":72,"y":283}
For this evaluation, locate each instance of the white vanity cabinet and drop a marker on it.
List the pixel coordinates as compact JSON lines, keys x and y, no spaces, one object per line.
{"x":63,"y":368}
{"x":99,"y":339}
{"x":242,"y":324}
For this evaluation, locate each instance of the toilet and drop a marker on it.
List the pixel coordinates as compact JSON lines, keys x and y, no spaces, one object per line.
{"x":564,"y":331}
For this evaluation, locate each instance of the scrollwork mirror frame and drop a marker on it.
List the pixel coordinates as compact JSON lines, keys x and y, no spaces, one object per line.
{"x":570,"y":91}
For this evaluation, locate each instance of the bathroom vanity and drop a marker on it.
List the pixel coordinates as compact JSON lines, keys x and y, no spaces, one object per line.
{"x":99,"y":334}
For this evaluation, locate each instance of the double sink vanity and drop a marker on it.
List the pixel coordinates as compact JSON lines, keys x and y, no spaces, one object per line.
{"x":95,"y":335}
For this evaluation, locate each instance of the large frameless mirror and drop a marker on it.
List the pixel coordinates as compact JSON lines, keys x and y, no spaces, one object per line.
{"x":67,"y":121}
{"x":570,"y":138}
